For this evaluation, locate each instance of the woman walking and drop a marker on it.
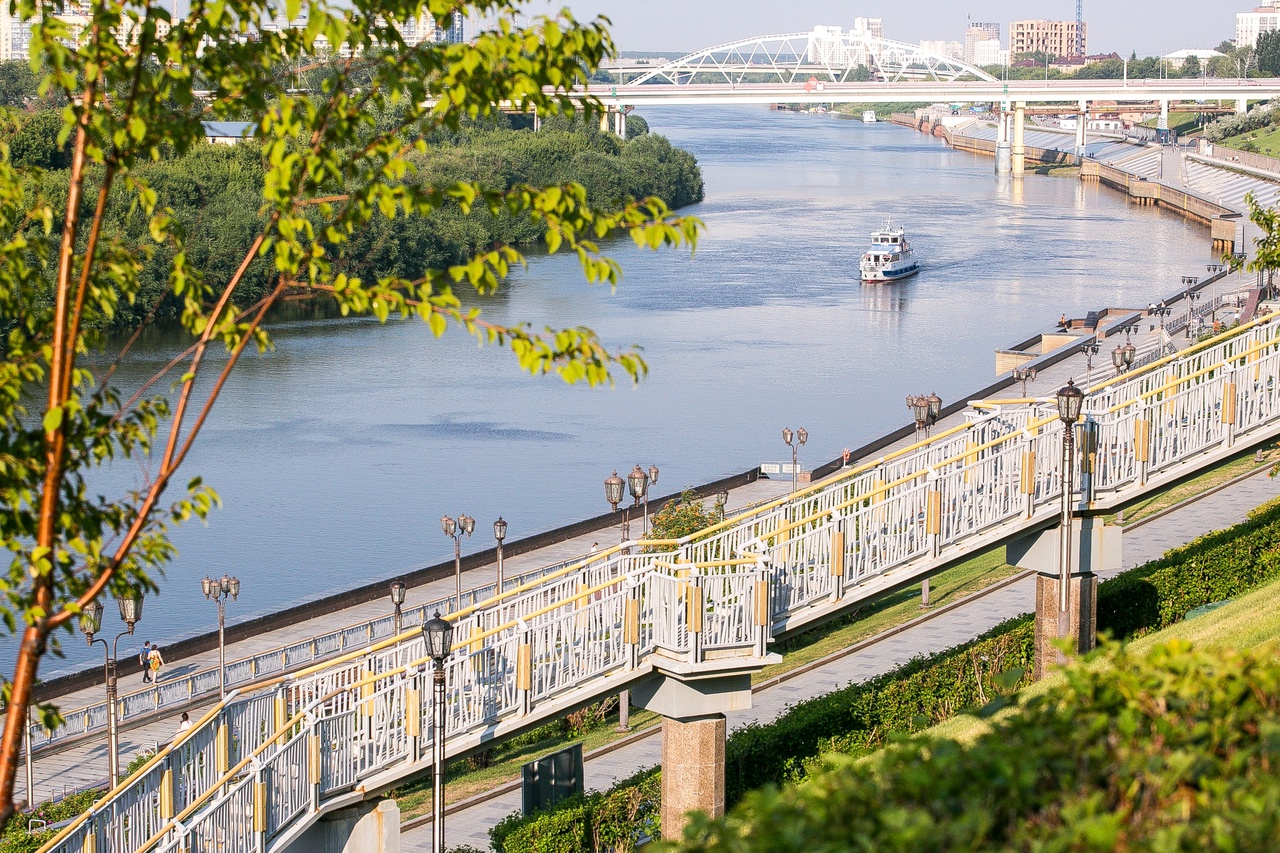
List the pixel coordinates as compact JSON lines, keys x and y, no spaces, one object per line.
{"x":154,"y":662}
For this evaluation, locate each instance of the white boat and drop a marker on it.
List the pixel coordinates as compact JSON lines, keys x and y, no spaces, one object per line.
{"x":869,"y":116}
{"x":890,"y":256}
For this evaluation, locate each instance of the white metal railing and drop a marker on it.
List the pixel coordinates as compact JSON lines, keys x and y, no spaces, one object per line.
{"x":260,"y":768}
{"x":89,"y":720}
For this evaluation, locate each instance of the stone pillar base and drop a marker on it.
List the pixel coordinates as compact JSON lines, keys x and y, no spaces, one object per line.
{"x":692,"y":770}
{"x":1079,"y":622}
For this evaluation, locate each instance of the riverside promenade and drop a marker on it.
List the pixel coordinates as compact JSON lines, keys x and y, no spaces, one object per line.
{"x":82,"y":764}
{"x":1145,"y":540}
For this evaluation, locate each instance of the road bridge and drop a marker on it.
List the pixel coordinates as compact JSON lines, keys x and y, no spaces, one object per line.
{"x":684,"y":623}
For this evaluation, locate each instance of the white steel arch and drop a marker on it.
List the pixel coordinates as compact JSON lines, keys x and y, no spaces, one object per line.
{"x":827,"y":53}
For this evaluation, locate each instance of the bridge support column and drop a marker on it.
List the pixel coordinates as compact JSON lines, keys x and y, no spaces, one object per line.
{"x":1004,"y":153}
{"x":1019,"y":159}
{"x":694,"y":704}
{"x":1082,"y":129}
{"x":1242,"y":106}
{"x":1162,"y":123}
{"x":1096,"y":547}
{"x":372,"y":827}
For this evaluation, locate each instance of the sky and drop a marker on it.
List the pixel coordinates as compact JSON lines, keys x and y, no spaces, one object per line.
{"x":1151,"y":27}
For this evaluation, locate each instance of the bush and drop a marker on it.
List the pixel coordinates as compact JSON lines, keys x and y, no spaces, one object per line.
{"x":1096,"y":763}
{"x":16,"y":839}
{"x":611,"y":822}
{"x":864,"y":717}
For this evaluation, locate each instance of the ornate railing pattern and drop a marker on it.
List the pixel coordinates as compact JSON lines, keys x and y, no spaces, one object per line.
{"x":258,"y":769}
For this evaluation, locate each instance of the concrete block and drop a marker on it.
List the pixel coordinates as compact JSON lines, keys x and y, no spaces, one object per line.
{"x":692,"y":771}
{"x":1096,"y":547}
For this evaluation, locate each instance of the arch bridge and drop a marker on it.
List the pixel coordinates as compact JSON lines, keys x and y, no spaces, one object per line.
{"x":827,"y":53}
{"x":683,"y":623}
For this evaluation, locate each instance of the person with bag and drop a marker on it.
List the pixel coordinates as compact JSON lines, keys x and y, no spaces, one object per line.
{"x":144,"y":658}
{"x":154,"y":662}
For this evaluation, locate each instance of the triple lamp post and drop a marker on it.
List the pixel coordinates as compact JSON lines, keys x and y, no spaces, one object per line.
{"x":455,"y":528}
{"x":219,"y":590}
{"x":637,"y":482}
{"x":925,"y":410}
{"x":1122,"y":357}
{"x":90,"y":623}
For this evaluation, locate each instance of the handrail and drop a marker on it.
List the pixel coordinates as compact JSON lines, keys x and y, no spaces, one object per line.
{"x":571,"y":650}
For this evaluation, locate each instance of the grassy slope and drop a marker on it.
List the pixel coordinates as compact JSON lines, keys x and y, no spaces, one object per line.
{"x":1266,"y":139}
{"x":1248,"y":621}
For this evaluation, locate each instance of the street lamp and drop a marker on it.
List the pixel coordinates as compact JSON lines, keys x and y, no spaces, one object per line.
{"x":219,"y":590}
{"x":1089,"y":350}
{"x":1070,"y":402}
{"x":1122,"y":357}
{"x":455,"y":529}
{"x":638,"y":482}
{"x":500,"y":533}
{"x":1024,"y":375}
{"x":398,"y":590}
{"x":437,"y":634}
{"x":801,"y":436}
{"x":90,"y":622}
{"x":722,"y":499}
{"x":1161,"y":310}
{"x":613,"y":490}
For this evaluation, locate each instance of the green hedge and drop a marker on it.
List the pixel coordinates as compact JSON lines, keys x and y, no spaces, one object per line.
{"x":1172,"y":752}
{"x":16,"y":839}
{"x":864,"y":717}
{"x":615,"y":820}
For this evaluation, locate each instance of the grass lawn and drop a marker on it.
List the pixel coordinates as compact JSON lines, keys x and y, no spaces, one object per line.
{"x":1251,"y":620}
{"x":1265,"y":140}
{"x":1182,"y":124}
{"x":467,"y":778}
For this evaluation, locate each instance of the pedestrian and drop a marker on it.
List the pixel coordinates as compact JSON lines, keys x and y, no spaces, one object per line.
{"x":184,"y":723}
{"x":1062,"y":321}
{"x":154,"y":662}
{"x":595,"y":546}
{"x":144,"y":658}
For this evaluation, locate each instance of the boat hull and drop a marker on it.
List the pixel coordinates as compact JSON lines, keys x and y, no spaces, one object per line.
{"x":878,"y":276}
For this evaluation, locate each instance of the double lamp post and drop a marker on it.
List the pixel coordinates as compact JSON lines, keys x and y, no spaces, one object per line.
{"x":90,"y":623}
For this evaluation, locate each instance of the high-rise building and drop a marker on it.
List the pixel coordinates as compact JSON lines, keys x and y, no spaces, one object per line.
{"x":1263,"y":19}
{"x":976,"y":33}
{"x":455,"y":33}
{"x":1056,"y":38}
{"x":415,"y":31}
{"x":873,"y":27}
{"x":15,"y":35}
{"x":989,"y":52}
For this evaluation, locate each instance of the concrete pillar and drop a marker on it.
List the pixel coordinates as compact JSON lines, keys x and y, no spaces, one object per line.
{"x":1242,"y":106}
{"x":1082,"y":129}
{"x":1079,"y":622}
{"x":692,"y":770}
{"x":1162,"y":123}
{"x":1004,"y":152}
{"x":1095,"y":547}
{"x":1019,"y":138}
{"x":604,"y":120}
{"x":371,"y":827}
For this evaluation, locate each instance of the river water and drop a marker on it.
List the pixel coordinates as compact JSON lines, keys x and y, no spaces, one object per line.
{"x":336,"y":454}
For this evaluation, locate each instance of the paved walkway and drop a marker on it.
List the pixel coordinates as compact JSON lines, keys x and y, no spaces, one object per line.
{"x":78,"y":766}
{"x":1144,"y":542}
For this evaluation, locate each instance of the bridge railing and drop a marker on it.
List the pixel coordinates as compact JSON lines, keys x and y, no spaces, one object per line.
{"x":615,"y":616}
{"x":89,"y":720}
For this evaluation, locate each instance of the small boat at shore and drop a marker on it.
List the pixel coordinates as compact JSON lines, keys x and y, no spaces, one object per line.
{"x":890,"y":256}
{"x":869,"y":116}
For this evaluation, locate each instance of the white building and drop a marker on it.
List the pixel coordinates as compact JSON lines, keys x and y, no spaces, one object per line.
{"x":976,"y":33}
{"x":1179,"y":57}
{"x":832,"y":47}
{"x":1263,"y":19}
{"x":941,"y":47}
{"x":989,"y":52}
{"x":15,"y":36}
{"x":873,"y":27}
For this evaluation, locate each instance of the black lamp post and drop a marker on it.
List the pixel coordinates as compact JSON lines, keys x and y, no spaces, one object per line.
{"x":398,"y":591}
{"x":499,"y":533}
{"x":1070,"y":402}
{"x":90,"y":622}
{"x":456,"y":528}
{"x":219,"y":590}
{"x":722,"y":499}
{"x":437,"y":634}
{"x":1122,"y":357}
{"x":1089,"y":350}
{"x":638,"y":482}
{"x":801,"y":435}
{"x":1161,"y":310}
{"x":1024,"y":375}
{"x":1188,"y":282}
{"x":613,"y":490}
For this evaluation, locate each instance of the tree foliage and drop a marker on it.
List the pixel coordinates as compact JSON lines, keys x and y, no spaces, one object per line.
{"x":1266,"y":53}
{"x":682,"y":517}
{"x":334,"y":160}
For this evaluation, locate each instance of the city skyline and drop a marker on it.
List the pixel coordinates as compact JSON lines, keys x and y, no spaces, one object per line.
{"x":668,"y":25}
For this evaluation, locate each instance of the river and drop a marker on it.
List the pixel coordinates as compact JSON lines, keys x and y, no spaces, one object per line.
{"x":337,"y":453}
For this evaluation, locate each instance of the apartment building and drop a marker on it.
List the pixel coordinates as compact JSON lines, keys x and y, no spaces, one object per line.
{"x":1056,"y":38}
{"x":1263,"y":19}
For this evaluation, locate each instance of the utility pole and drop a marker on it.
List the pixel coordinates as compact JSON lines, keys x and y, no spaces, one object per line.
{"x":1080,"y":28}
